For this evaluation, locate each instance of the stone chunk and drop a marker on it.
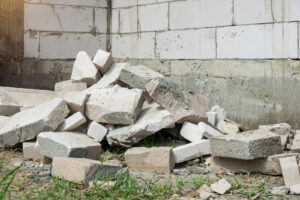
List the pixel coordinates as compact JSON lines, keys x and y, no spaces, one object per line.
{"x":137,"y":76}
{"x":211,"y":117}
{"x":295,"y":189}
{"x":221,"y":187}
{"x":103,"y":60}
{"x":220,"y":113}
{"x":190,"y":151}
{"x":72,"y":122}
{"x":152,"y":119}
{"x":67,"y":144}
{"x":76,"y":101}
{"x":191,"y":132}
{"x":290,"y":171}
{"x":115,"y":105}
{"x":84,"y":70}
{"x":30,"y":153}
{"x":155,"y":159}
{"x":228,"y":128}
{"x":296,"y":144}
{"x":247,"y":145}
{"x":183,"y":105}
{"x":208,"y":131}
{"x":96,"y":131}
{"x":63,"y":87}
{"x":3,"y":121}
{"x":280,"y":129}
{"x":26,"y":125}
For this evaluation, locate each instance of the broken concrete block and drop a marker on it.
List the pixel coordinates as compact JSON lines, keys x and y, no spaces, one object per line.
{"x":72,"y":122}
{"x":30,"y":153}
{"x":220,"y":112}
{"x":247,"y":145}
{"x":155,"y":159}
{"x":12,"y":99}
{"x":205,"y":192}
{"x":76,"y":101}
{"x":296,"y":144}
{"x":295,"y":189}
{"x":211,"y":117}
{"x":137,"y":76}
{"x":63,"y":87}
{"x":115,"y":105}
{"x":26,"y":125}
{"x":103,"y":60}
{"x":84,"y":70}
{"x":269,"y":166}
{"x":67,"y":144}
{"x":3,"y":120}
{"x":152,"y":119}
{"x":183,"y":105}
{"x":280,"y":129}
{"x":290,"y":171}
{"x":96,"y":131}
{"x":228,"y":128}
{"x":221,"y":187}
{"x":190,"y":151}
{"x":208,"y":131}
{"x":191,"y":132}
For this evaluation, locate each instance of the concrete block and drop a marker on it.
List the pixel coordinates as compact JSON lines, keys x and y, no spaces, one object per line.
{"x":184,"y":106}
{"x":153,"y":17}
{"x":286,"y":10}
{"x":76,"y":101}
{"x":90,"y":3}
{"x":201,"y":13}
{"x":115,"y":105}
{"x":191,"y":151}
{"x":280,"y":129}
{"x":134,"y":45}
{"x":191,"y":132}
{"x":137,"y":76}
{"x":31,"y":44}
{"x":103,"y":61}
{"x":26,"y":125}
{"x":123,"y":3}
{"x":115,"y":15}
{"x":220,"y":112}
{"x":186,"y":44}
{"x":30,"y":153}
{"x":84,"y":70}
{"x":272,"y":41}
{"x":67,"y":144}
{"x":220,"y":187}
{"x":3,"y":121}
{"x":247,"y":145}
{"x":208,"y":131}
{"x":128,"y":20}
{"x":296,"y":144}
{"x":228,"y":128}
{"x":72,"y":122}
{"x":64,"y":87}
{"x":290,"y":171}
{"x":152,"y":119}
{"x":295,"y":189}
{"x":211,"y":117}
{"x":101,"y":20}
{"x":96,"y":131}
{"x":155,"y":159}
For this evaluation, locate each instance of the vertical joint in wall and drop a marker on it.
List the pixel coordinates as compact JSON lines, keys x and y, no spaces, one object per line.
{"x":108,"y":31}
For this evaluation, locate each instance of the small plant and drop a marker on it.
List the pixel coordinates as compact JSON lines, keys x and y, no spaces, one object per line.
{"x":6,"y":181}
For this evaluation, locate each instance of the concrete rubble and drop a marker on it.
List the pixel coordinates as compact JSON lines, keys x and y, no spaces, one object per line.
{"x":76,"y":101}
{"x":63,"y":87}
{"x":221,"y":187}
{"x":72,"y":122}
{"x":290,"y":171}
{"x":103,"y":61}
{"x":96,"y":131}
{"x":30,"y":153}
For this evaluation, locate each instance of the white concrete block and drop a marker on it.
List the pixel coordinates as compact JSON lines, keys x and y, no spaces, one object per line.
{"x":67,"y":45}
{"x":221,"y":187}
{"x":115,"y":15}
{"x":128,"y":20}
{"x":30,"y":153}
{"x":101,"y":20}
{"x":253,"y":11}
{"x":187,"y":44}
{"x":72,"y":122}
{"x":290,"y":171}
{"x":191,"y":151}
{"x":191,"y":132}
{"x":123,"y":3}
{"x":286,"y":10}
{"x":31,"y":44}
{"x":103,"y":61}
{"x":200,"y":13}
{"x":64,"y":87}
{"x":76,"y":101}
{"x":153,"y":17}
{"x":133,"y":45}
{"x":96,"y":131}
{"x":211,"y":117}
{"x":3,"y":120}
{"x":271,"y":41}
{"x":91,"y":3}
{"x":208,"y":131}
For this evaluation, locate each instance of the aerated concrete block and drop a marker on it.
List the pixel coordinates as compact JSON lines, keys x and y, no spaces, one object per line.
{"x":191,"y":132}
{"x":290,"y":171}
{"x":208,"y":131}
{"x":96,"y":131}
{"x":30,"y":153}
{"x":103,"y":60}
{"x":72,"y":122}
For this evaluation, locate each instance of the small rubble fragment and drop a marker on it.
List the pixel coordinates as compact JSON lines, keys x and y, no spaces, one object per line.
{"x":280,"y":129}
{"x":211,"y":117}
{"x":290,"y":171}
{"x":220,"y":114}
{"x":282,"y":190}
{"x":228,"y":128}
{"x":96,"y":131}
{"x":103,"y":60}
{"x":183,"y":105}
{"x":76,"y":101}
{"x":72,"y":122}
{"x":191,"y":132}
{"x":221,"y":187}
{"x":63,"y":87}
{"x":155,"y":159}
{"x":208,"y":131}
{"x":247,"y":145}
{"x":296,"y":143}
{"x":205,"y":192}
{"x":67,"y":144}
{"x":295,"y":189}
{"x":30,"y":153}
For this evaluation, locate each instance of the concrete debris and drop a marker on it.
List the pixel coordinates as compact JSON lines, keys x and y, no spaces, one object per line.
{"x":183,"y":105}
{"x":103,"y":60}
{"x":152,"y":119}
{"x":228,"y":128}
{"x":72,"y":122}
{"x":115,"y":105}
{"x":220,"y":114}
{"x":290,"y":171}
{"x":3,"y":120}
{"x":26,"y":125}
{"x":211,"y":118}
{"x":63,"y":87}
{"x":295,"y":189}
{"x":191,"y":132}
{"x":221,"y":187}
{"x":190,"y":151}
{"x":12,"y":99}
{"x":208,"y":131}
{"x":282,"y":190}
{"x":205,"y":192}
{"x":96,"y":131}
{"x":296,"y":144}
{"x":247,"y":145}
{"x":84,"y":70}
{"x":67,"y":144}
{"x":280,"y":129}
{"x":76,"y":101}
{"x":155,"y":159}
{"x":137,"y":76}
{"x":29,"y":153}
